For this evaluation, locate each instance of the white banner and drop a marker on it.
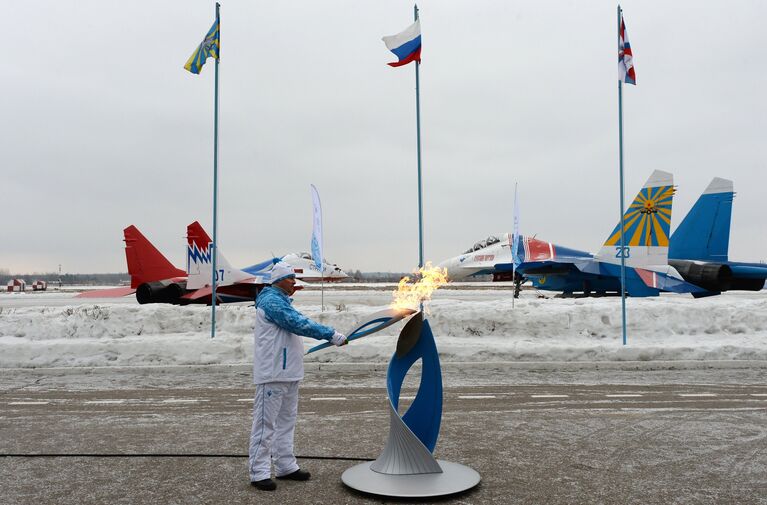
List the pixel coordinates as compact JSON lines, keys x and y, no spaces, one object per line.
{"x":317,"y":230}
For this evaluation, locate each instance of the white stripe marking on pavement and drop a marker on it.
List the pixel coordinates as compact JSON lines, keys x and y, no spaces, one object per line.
{"x":549,"y":396}
{"x":245,"y":400}
{"x":183,"y":400}
{"x":28,"y":403}
{"x":329,"y":398}
{"x":476,"y":397}
{"x":758,"y":394}
{"x":697,"y":395}
{"x":623,"y":396}
{"x":99,"y":402}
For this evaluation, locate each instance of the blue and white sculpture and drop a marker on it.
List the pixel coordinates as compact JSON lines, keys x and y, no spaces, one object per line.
{"x":407,"y":467}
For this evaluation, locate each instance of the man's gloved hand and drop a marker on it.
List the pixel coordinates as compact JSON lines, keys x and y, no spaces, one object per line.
{"x":338,"y":339}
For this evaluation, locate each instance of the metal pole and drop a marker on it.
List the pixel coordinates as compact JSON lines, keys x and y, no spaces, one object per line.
{"x":418,"y":137}
{"x":322,"y":267}
{"x":513,"y":283}
{"x":215,"y":189}
{"x":620,"y":156}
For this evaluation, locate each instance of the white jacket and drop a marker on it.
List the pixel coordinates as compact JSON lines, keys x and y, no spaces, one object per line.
{"x":278,"y":354}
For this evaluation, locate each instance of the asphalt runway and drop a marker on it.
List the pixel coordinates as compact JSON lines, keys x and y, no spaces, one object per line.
{"x":536,"y":436}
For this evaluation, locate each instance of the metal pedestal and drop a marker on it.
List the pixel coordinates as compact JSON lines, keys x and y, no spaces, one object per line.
{"x":454,"y":478}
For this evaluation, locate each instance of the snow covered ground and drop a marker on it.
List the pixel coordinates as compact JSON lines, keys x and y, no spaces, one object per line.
{"x":475,"y":323}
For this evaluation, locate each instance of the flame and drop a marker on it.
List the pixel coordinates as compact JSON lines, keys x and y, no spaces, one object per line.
{"x":410,"y":295}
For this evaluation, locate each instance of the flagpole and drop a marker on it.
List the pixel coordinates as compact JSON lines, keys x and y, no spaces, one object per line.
{"x":620,"y":156}
{"x":418,"y":137}
{"x":322,"y":269}
{"x":513,"y":282}
{"x":214,"y":246}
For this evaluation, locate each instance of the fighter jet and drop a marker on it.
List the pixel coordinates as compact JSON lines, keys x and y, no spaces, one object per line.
{"x":307,"y":271}
{"x":549,"y":266}
{"x":698,"y":253}
{"x":154,"y":279}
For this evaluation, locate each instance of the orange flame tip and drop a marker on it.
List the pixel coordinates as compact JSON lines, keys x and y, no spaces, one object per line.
{"x":410,"y":295}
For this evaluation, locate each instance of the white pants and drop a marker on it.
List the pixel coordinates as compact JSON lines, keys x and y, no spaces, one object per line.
{"x":274,"y":421}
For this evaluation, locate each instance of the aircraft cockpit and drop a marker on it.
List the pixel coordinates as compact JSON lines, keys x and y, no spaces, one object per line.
{"x":492,"y":239}
{"x":308,"y":256}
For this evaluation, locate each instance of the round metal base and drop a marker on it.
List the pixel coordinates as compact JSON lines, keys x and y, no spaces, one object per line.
{"x":453,"y":479}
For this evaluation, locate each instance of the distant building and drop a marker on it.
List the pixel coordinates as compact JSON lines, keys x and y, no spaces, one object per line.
{"x":17,"y":285}
{"x":39,"y":285}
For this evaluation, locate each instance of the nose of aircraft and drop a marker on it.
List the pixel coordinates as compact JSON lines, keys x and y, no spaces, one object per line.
{"x":451,"y":265}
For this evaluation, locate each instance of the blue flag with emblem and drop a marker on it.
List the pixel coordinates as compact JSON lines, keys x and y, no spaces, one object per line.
{"x":210,"y":46}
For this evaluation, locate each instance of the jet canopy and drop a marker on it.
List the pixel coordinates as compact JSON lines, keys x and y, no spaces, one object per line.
{"x":492,"y":239}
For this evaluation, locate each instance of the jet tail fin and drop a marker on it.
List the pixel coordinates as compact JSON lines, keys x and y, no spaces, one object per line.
{"x":647,"y":225}
{"x":145,"y":262}
{"x":199,"y":261}
{"x":704,"y":233}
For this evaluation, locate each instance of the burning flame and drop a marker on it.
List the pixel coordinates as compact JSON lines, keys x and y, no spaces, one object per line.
{"x":410,"y":295}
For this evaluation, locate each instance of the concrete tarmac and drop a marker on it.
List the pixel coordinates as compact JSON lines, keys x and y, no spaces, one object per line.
{"x":589,"y":436}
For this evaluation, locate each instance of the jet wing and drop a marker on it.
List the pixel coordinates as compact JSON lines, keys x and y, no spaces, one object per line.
{"x":259,"y":279}
{"x":207,"y":291}
{"x":593,"y":267}
{"x":667,"y":281}
{"x":107,"y":293}
{"x":197,"y":294}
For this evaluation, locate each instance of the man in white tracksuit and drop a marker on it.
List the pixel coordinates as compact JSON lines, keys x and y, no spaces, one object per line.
{"x":278,"y":367}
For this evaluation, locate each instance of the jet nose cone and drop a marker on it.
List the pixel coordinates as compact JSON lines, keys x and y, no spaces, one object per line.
{"x":451,"y":266}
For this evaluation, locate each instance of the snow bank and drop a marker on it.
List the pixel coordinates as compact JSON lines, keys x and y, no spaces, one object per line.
{"x":469,"y":325}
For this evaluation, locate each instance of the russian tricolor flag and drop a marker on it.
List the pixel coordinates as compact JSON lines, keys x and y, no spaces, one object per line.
{"x":406,"y":45}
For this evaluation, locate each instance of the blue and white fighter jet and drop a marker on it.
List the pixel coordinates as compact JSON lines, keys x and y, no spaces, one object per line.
{"x":697,"y":264}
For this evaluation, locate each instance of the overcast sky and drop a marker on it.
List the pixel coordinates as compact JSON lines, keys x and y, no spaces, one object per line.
{"x":101,"y":127}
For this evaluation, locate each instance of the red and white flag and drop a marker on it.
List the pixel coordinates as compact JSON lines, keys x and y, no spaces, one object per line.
{"x":625,"y":57}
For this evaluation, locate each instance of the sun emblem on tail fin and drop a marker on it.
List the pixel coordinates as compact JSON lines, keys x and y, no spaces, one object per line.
{"x":647,"y":220}
{"x":649,"y":207}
